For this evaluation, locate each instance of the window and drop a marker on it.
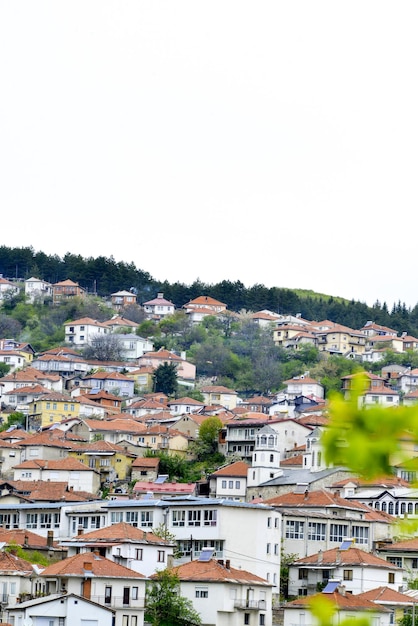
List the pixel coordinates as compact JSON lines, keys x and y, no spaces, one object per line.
{"x":246,"y":618}
{"x":414,"y":563}
{"x":276,"y":549}
{"x":269,"y":522}
{"x":361,"y":534}
{"x":395,"y":560}
{"x":134,"y":620}
{"x":209,"y":517}
{"x":262,"y":619}
{"x":348,"y":574}
{"x":237,"y":484}
{"x":294,"y":529}
{"x":132,"y":517}
{"x":268,"y":548}
{"x":146,"y":518}
{"x":134,"y":593}
{"x":391,"y":578}
{"x":224,"y":484}
{"x":125,"y":620}
{"x":303,"y":574}
{"x":201,"y":592}
{"x":116,"y":517}
{"x":31,"y":520}
{"x":161,"y":556}
{"x":338,"y":532}
{"x":178,"y":518}
{"x":138,"y":554}
{"x":316,"y":531}
{"x":108,"y":595}
{"x":193,"y":518}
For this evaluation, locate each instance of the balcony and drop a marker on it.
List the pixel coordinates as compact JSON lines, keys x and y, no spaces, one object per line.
{"x":250,"y":605}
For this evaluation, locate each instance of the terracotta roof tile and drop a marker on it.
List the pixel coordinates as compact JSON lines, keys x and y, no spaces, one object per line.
{"x":100,"y":567}
{"x":213,"y":571}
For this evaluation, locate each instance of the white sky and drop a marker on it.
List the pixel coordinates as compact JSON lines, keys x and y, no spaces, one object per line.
{"x":269,"y":142}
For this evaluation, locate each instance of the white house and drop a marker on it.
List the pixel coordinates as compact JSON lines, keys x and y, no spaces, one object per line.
{"x":76,"y":474}
{"x":347,"y":607}
{"x":58,"y":609}
{"x":303,"y":386}
{"x":133,"y":346}
{"x":230,"y":481}
{"x":37,"y":290}
{"x":82,"y":331}
{"x":158,"y":307}
{"x":135,"y":548}
{"x":358,"y":570}
{"x":223,"y":594}
{"x":7,"y":287}
{"x":102,"y":581}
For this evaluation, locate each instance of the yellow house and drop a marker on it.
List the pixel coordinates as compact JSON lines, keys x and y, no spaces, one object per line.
{"x":337,"y":339}
{"x":142,"y":377}
{"x":111,"y":460}
{"x":51,"y":408}
{"x":169,"y":440}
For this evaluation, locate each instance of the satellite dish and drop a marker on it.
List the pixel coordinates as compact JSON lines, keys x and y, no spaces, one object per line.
{"x":28,"y":621}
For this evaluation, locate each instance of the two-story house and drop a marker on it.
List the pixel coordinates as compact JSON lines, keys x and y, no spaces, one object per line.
{"x":158,"y":307}
{"x":82,"y":331}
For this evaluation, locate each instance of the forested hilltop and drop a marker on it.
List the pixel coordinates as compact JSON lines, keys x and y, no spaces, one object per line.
{"x":103,"y":276}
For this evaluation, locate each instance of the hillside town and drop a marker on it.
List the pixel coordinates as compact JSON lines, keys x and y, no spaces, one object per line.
{"x":251,"y":541}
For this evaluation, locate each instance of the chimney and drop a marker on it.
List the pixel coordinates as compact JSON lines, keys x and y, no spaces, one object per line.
{"x":25,"y":540}
{"x":320,"y":556}
{"x":220,"y":561}
{"x":88,"y":566}
{"x":338,"y":556}
{"x":80,"y":530}
{"x":49,"y":539}
{"x":228,"y":564}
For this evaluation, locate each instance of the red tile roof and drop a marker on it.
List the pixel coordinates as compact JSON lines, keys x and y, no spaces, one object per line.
{"x":98,"y":565}
{"x":213,"y":571}
{"x":352,"y":556}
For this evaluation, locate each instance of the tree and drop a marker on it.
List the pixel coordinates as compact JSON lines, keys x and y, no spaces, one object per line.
{"x":165,"y":378}
{"x":206,"y":445}
{"x":4,"y":369}
{"x":107,"y":347}
{"x":164,"y":606}
{"x":14,"y":419}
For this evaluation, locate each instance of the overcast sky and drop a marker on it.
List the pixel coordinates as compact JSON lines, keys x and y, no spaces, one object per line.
{"x":268,"y":142}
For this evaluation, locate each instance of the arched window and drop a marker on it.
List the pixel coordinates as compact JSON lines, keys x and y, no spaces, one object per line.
{"x":416,"y":508}
{"x":313,"y":458}
{"x":390,"y":508}
{"x":410,"y":507}
{"x":384,"y":506}
{"x":403,"y":507}
{"x":377,"y":506}
{"x":271,"y":441}
{"x":319,"y":459}
{"x":263,"y":440}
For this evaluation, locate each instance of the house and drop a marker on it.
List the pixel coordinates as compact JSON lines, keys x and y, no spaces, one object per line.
{"x":285,"y":335}
{"x":38,"y":290}
{"x":133,"y":346}
{"x":358,"y":570}
{"x":186,"y":372}
{"x":126,"y":544}
{"x":223,"y":594}
{"x":83,"y":331}
{"x":160,"y":437}
{"x":403,"y":554}
{"x":142,"y":377}
{"x":219,"y":395}
{"x":119,"y":323}
{"x":31,"y":376}
{"x":108,"y":460}
{"x":344,"y":607}
{"x":144,"y":408}
{"x":161,"y":488}
{"x":61,"y":608}
{"x":158,"y":308}
{"x":102,"y":581}
{"x":20,"y":398}
{"x":398,"y":603}
{"x":372,"y":389}
{"x":316,"y":520}
{"x":385,"y":342}
{"x":229,"y":481}
{"x":47,"y":445}
{"x":303,"y":386}
{"x":110,"y":381}
{"x":122,"y":299}
{"x":51,"y":407}
{"x":64,"y":365}
{"x":201,"y":307}
{"x":15,"y":577}
{"x":184,"y":405}
{"x":66,"y":290}
{"x":198,"y":522}
{"x":371,"y":329}
{"x":264,"y":318}
{"x":145,"y":468}
{"x":338,"y":339}
{"x":109,"y":430}
{"x":31,"y":541}
{"x":77,"y":475}
{"x":7,"y":288}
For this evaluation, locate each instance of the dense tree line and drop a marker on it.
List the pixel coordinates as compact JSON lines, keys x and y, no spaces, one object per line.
{"x":103,"y":275}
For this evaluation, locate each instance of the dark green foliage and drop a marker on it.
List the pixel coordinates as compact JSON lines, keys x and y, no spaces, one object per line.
{"x":15,"y":419}
{"x":176,"y":467}
{"x":165,"y":379}
{"x":164,"y":606}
